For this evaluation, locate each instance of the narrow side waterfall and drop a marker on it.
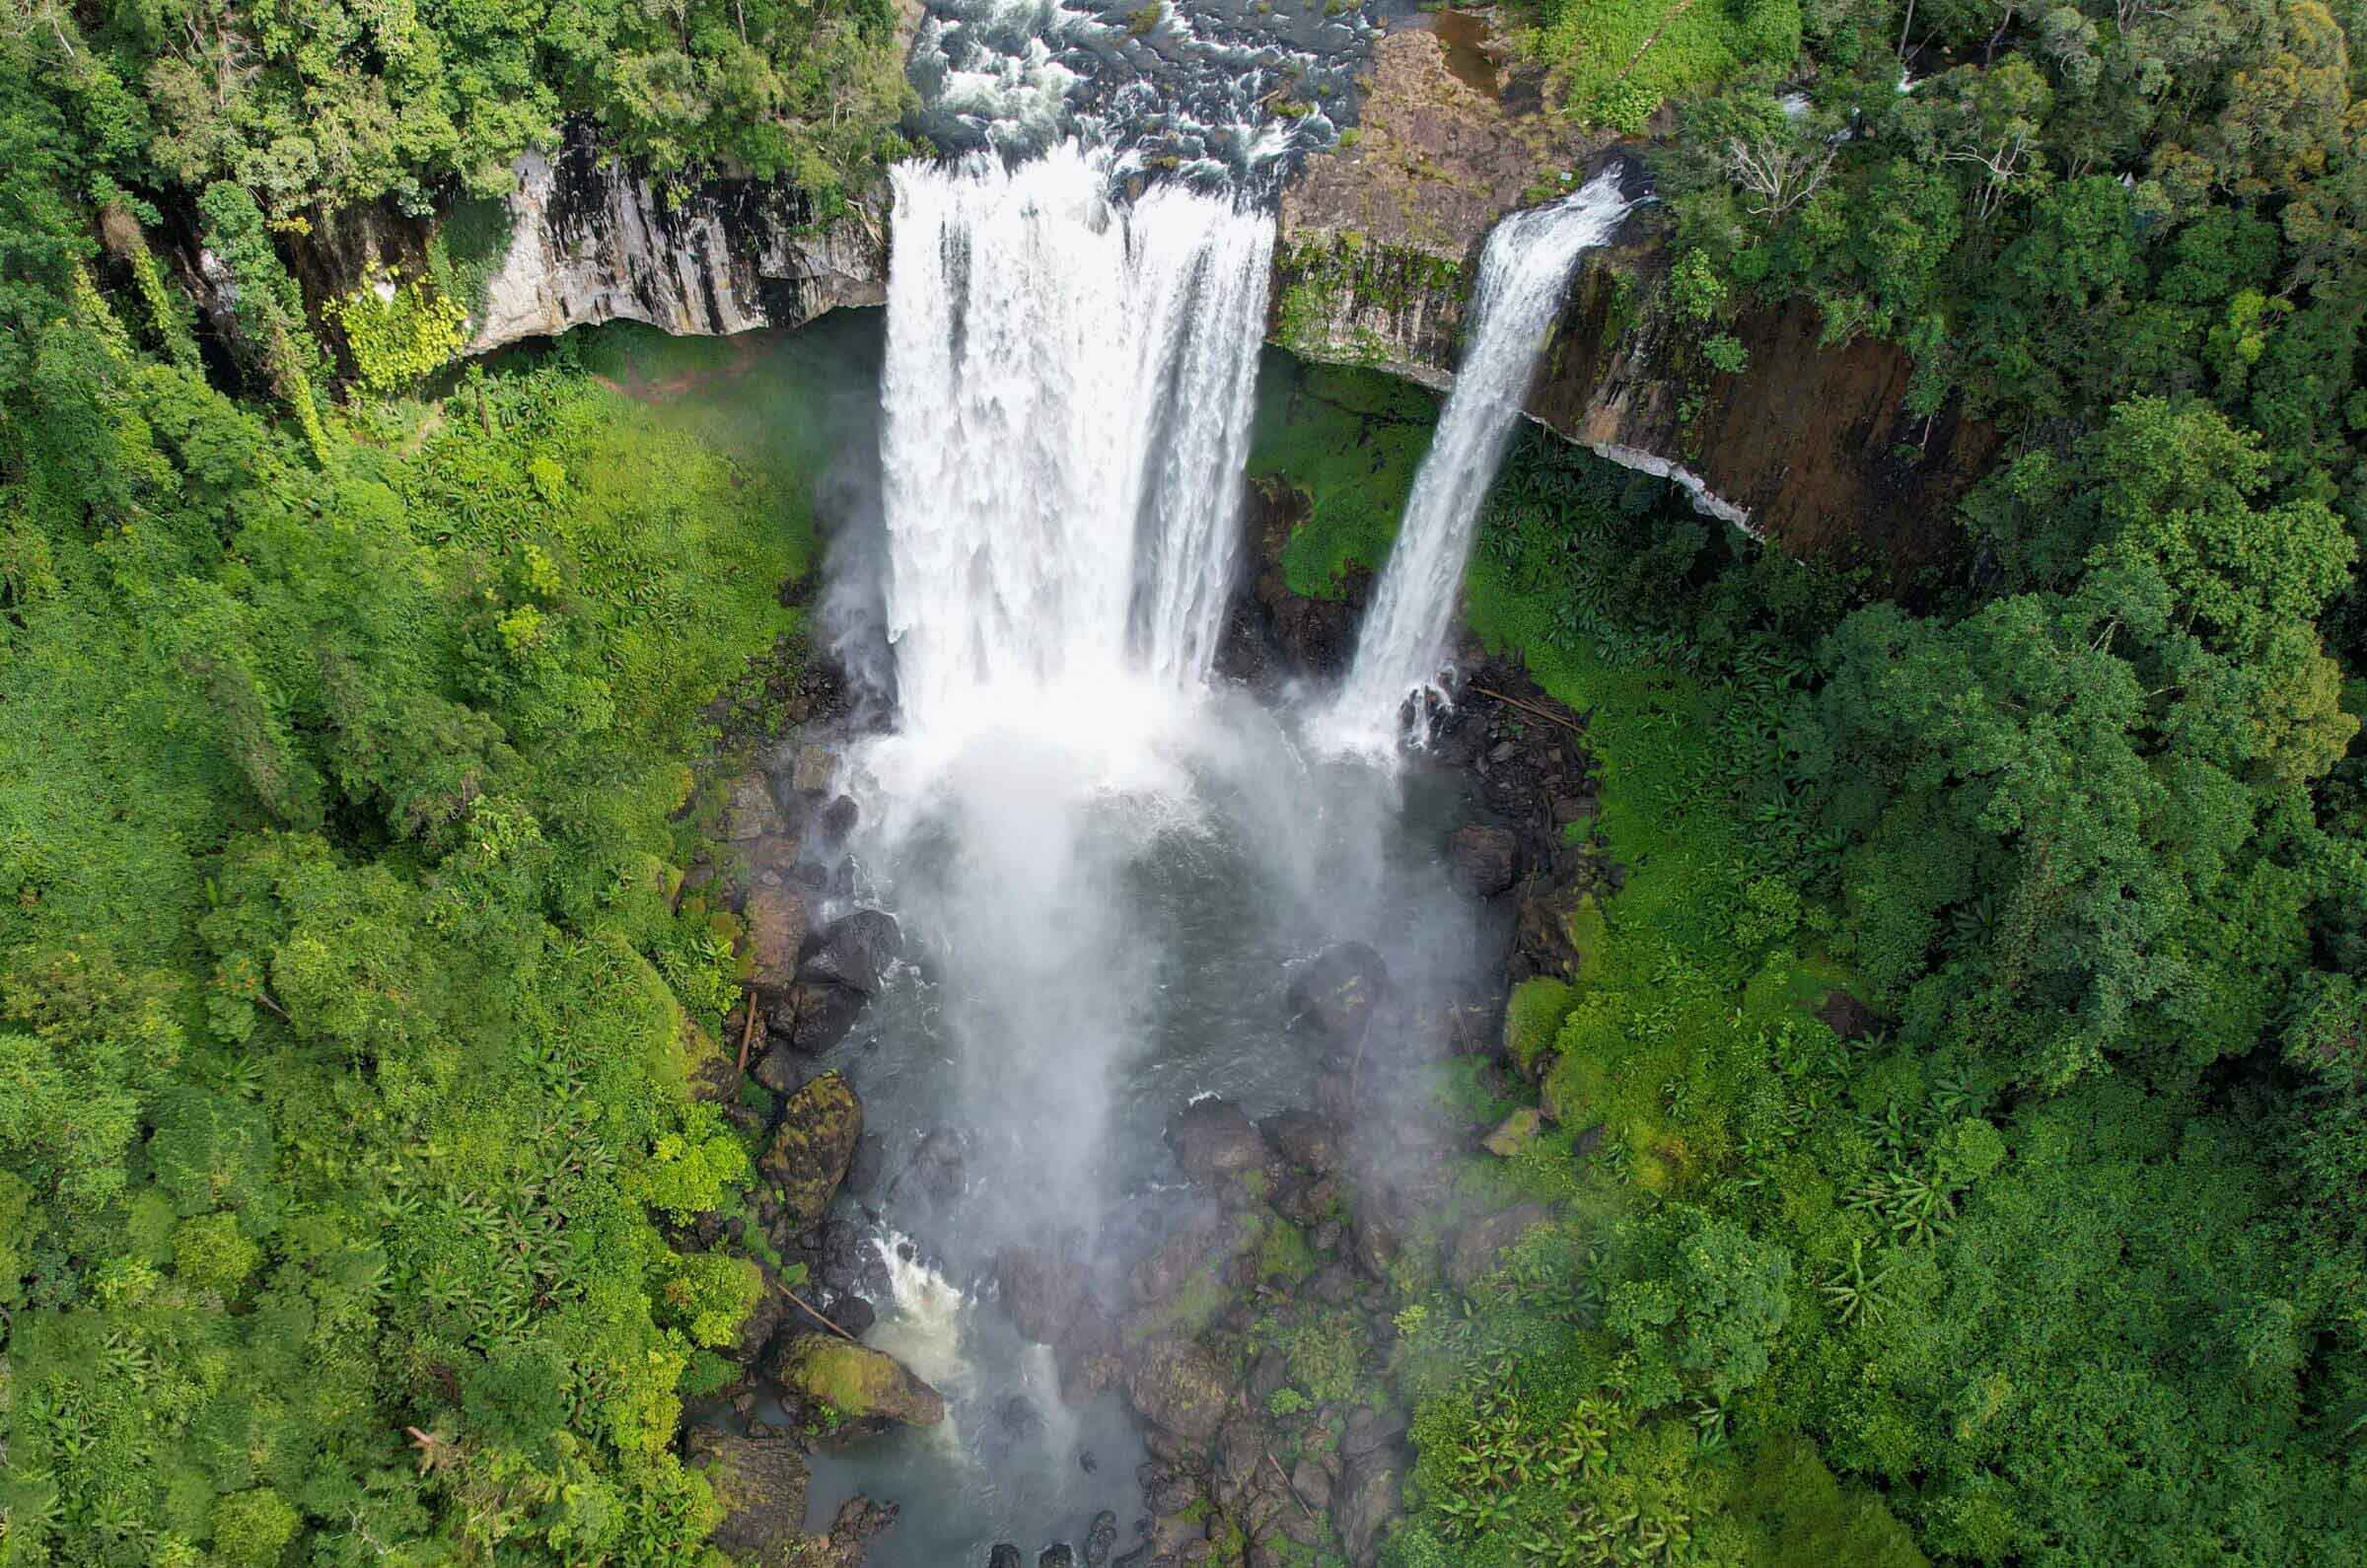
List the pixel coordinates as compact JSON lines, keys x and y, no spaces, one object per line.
{"x":1402,"y":649}
{"x":1067,"y":402}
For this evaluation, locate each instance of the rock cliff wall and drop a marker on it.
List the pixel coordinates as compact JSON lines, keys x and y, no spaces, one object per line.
{"x":591,"y":242}
{"x":1809,"y":444}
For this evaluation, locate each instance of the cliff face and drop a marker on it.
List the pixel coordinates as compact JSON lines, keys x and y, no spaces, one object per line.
{"x":594,"y":243}
{"x":1807,"y":445}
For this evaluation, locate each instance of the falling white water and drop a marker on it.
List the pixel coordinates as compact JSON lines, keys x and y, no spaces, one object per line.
{"x":1402,"y":647}
{"x":1067,"y":402}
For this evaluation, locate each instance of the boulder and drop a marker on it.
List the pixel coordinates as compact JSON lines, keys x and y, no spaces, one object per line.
{"x":1313,"y":1484}
{"x":861,"y":1382}
{"x":1101,"y":1537}
{"x":1039,"y":1290}
{"x":936,"y":1169}
{"x":1088,"y":1353}
{"x":814,"y":768}
{"x":1165,"y":1269}
{"x":779,"y":1069}
{"x":1336,"y":990}
{"x":1485,"y":860}
{"x":776,"y":922}
{"x":1179,"y":1386}
{"x":1368,"y":1500}
{"x":1056,"y":1556}
{"x":845,"y":1546}
{"x":853,"y":951}
{"x":814,"y":1017}
{"x":1305,"y":1139}
{"x":748,"y":810}
{"x":1004,"y":1555}
{"x":1214,"y":1139}
{"x":759,"y":1481}
{"x":1513,"y":1133}
{"x":1473,"y":1256}
{"x":812,"y":1148}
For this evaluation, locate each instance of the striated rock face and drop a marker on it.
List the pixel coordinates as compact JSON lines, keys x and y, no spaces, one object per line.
{"x":598,"y":243}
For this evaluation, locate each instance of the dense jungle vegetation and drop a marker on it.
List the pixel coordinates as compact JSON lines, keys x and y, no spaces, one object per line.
{"x":346,"y":1024}
{"x":2053,"y":1251}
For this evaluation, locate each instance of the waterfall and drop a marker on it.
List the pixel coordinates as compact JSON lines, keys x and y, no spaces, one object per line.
{"x":1522,"y":271}
{"x":1067,"y":402}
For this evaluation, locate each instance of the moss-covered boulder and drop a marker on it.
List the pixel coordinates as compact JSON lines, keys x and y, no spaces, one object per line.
{"x":760,"y":1481}
{"x":1179,"y":1386}
{"x":858,"y":1382}
{"x":820,"y":1125}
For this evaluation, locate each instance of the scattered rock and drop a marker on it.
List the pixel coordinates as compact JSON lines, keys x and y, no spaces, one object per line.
{"x":853,"y":951}
{"x":761,"y":1481}
{"x":1513,"y":1132}
{"x":937,"y":1166}
{"x":1370,"y":1429}
{"x":1088,"y":1353}
{"x":1313,"y":1484}
{"x":863,"y":1384}
{"x":777,"y":920}
{"x":1179,"y":1386}
{"x":814,"y":768}
{"x":859,"y":1519}
{"x":1338,"y":989}
{"x":1368,"y":1501}
{"x":1213,"y":1139}
{"x":1165,"y":1269}
{"x":1305,"y":1139}
{"x":1473,"y":1256}
{"x":1059,"y":1556}
{"x":1099,"y":1538}
{"x":748,"y":810}
{"x":1485,"y":860}
{"x":811,"y":1150}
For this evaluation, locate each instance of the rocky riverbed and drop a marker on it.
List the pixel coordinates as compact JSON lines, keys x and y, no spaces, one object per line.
{"x":1245,"y":1311}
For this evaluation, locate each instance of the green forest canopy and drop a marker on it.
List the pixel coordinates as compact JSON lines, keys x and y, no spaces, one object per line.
{"x":346,"y":1029}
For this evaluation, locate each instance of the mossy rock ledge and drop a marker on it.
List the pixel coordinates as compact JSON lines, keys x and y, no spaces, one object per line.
{"x":856,"y":1381}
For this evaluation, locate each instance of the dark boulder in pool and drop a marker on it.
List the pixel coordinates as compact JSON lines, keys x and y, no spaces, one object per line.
{"x":1335,"y":991}
{"x":853,"y":951}
{"x":1004,"y":1555}
{"x":1056,"y":1558}
{"x":815,"y":1016}
{"x":1099,"y":1538}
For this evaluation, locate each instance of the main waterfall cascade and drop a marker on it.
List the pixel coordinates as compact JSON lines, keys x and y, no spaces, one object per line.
{"x":1402,"y":649}
{"x":1069,"y":389}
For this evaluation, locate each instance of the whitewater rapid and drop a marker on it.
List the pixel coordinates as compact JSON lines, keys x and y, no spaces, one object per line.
{"x":1401,"y":648}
